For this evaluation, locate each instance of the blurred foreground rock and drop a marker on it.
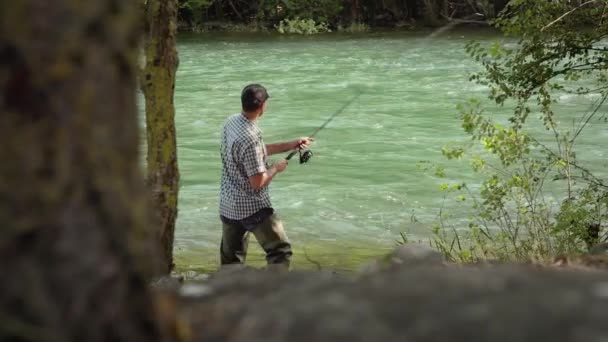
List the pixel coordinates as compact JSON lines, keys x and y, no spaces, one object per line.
{"x":416,"y":302}
{"x":405,"y":255}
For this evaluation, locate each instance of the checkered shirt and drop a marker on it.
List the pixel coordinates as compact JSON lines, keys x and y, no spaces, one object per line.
{"x":243,"y":154}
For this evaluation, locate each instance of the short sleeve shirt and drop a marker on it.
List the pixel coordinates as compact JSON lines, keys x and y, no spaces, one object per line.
{"x":243,"y":155}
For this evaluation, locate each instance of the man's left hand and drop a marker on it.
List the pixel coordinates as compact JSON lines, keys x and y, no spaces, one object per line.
{"x":302,"y":142}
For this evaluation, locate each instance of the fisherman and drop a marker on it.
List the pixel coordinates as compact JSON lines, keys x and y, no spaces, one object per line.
{"x":245,"y":205}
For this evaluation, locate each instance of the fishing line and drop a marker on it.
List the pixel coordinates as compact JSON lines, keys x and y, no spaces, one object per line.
{"x":306,"y":154}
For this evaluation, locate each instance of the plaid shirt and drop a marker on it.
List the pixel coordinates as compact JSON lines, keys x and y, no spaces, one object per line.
{"x":243,"y":154}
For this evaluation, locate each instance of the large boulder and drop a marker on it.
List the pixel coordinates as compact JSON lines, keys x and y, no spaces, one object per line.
{"x":416,"y":302}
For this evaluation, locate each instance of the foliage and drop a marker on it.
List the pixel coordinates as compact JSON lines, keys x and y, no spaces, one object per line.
{"x":194,"y":5}
{"x":558,"y":52}
{"x":251,"y":27}
{"x":302,"y":26}
{"x":317,"y":10}
{"x":192,"y":10}
{"x":199,"y":13}
{"x":354,"y":27}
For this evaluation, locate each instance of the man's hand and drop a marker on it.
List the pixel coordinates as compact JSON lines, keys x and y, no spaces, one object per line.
{"x":262,"y":179}
{"x":281,"y":165}
{"x":302,"y":142}
{"x":289,"y":145}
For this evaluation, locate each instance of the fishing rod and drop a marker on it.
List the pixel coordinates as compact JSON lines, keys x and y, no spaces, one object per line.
{"x":306,"y":154}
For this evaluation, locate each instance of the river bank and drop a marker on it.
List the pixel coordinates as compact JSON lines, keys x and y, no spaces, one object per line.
{"x":412,"y":295}
{"x":344,"y":257}
{"x":356,"y":27}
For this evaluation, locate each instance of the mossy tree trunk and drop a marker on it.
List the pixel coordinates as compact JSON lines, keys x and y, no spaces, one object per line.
{"x":355,"y":11}
{"x":72,"y":203}
{"x":412,"y":8}
{"x":158,"y":85}
{"x":433,"y":10}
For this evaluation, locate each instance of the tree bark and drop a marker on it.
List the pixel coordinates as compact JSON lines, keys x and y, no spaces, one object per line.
{"x":355,"y":11}
{"x":72,"y":203}
{"x":432,"y":9}
{"x":412,"y":9}
{"x":158,"y":87}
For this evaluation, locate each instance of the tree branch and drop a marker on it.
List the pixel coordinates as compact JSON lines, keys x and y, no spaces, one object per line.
{"x":566,"y":14}
{"x":578,"y":132}
{"x":586,"y":171}
{"x":238,"y":14}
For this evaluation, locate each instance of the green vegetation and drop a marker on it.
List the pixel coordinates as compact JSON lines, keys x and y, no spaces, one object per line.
{"x":201,"y":15}
{"x":354,"y":27}
{"x":534,"y":153}
{"x":301,"y":26}
{"x":344,"y":257}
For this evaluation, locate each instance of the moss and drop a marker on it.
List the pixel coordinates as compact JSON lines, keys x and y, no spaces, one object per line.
{"x":158,"y":89}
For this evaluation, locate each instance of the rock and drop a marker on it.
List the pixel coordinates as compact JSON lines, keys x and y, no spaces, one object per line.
{"x":410,"y":254}
{"x":591,"y":262}
{"x":167,"y":283}
{"x":499,"y":304}
{"x":195,"y":290}
{"x":193,"y":275}
{"x":416,"y":253}
{"x":600,"y":248}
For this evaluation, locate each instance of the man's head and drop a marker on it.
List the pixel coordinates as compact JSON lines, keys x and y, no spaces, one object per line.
{"x":253,"y":99}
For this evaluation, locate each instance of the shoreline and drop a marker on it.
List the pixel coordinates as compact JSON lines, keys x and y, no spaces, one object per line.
{"x":360,"y":28}
{"x":342,"y":257}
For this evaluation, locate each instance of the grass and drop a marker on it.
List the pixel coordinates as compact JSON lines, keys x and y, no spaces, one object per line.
{"x":334,"y":256}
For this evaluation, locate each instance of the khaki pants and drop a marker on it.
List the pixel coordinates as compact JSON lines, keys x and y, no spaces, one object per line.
{"x":269,"y":234}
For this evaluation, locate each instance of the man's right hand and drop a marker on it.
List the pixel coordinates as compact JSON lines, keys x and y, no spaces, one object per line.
{"x":281,"y":165}
{"x":262,"y":179}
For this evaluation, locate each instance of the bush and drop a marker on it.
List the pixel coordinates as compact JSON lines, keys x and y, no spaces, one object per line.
{"x":523,"y":161}
{"x":354,"y":27}
{"x":301,"y":26}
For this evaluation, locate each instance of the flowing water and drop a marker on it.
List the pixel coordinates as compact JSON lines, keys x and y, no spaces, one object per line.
{"x":362,"y":188}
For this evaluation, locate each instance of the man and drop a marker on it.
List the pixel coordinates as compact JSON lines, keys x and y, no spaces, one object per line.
{"x":244,"y":199}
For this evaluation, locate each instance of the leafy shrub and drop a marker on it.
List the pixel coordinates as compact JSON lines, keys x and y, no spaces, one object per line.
{"x":524,"y":161}
{"x":301,"y":26}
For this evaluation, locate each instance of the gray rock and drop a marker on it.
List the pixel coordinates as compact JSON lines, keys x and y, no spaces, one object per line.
{"x":414,"y":253}
{"x":490,"y":303}
{"x":167,"y":283}
{"x":195,"y":290}
{"x":410,"y":254}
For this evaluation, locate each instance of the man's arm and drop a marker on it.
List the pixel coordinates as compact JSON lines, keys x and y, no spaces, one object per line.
{"x":262,"y":179}
{"x":279,"y":147}
{"x":287,"y":146}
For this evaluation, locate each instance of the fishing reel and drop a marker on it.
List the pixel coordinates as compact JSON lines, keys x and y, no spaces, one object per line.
{"x":305,"y":155}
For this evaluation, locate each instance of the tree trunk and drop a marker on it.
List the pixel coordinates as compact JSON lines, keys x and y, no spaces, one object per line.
{"x":499,"y":5}
{"x":158,"y":87}
{"x":432,"y":9}
{"x":412,"y":9}
{"x":355,"y":11}
{"x":72,"y":206}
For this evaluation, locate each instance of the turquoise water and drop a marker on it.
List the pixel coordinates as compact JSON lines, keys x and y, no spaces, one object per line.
{"x":362,"y":187}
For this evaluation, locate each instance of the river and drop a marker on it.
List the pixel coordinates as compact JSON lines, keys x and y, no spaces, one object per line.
{"x":362,"y":188}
